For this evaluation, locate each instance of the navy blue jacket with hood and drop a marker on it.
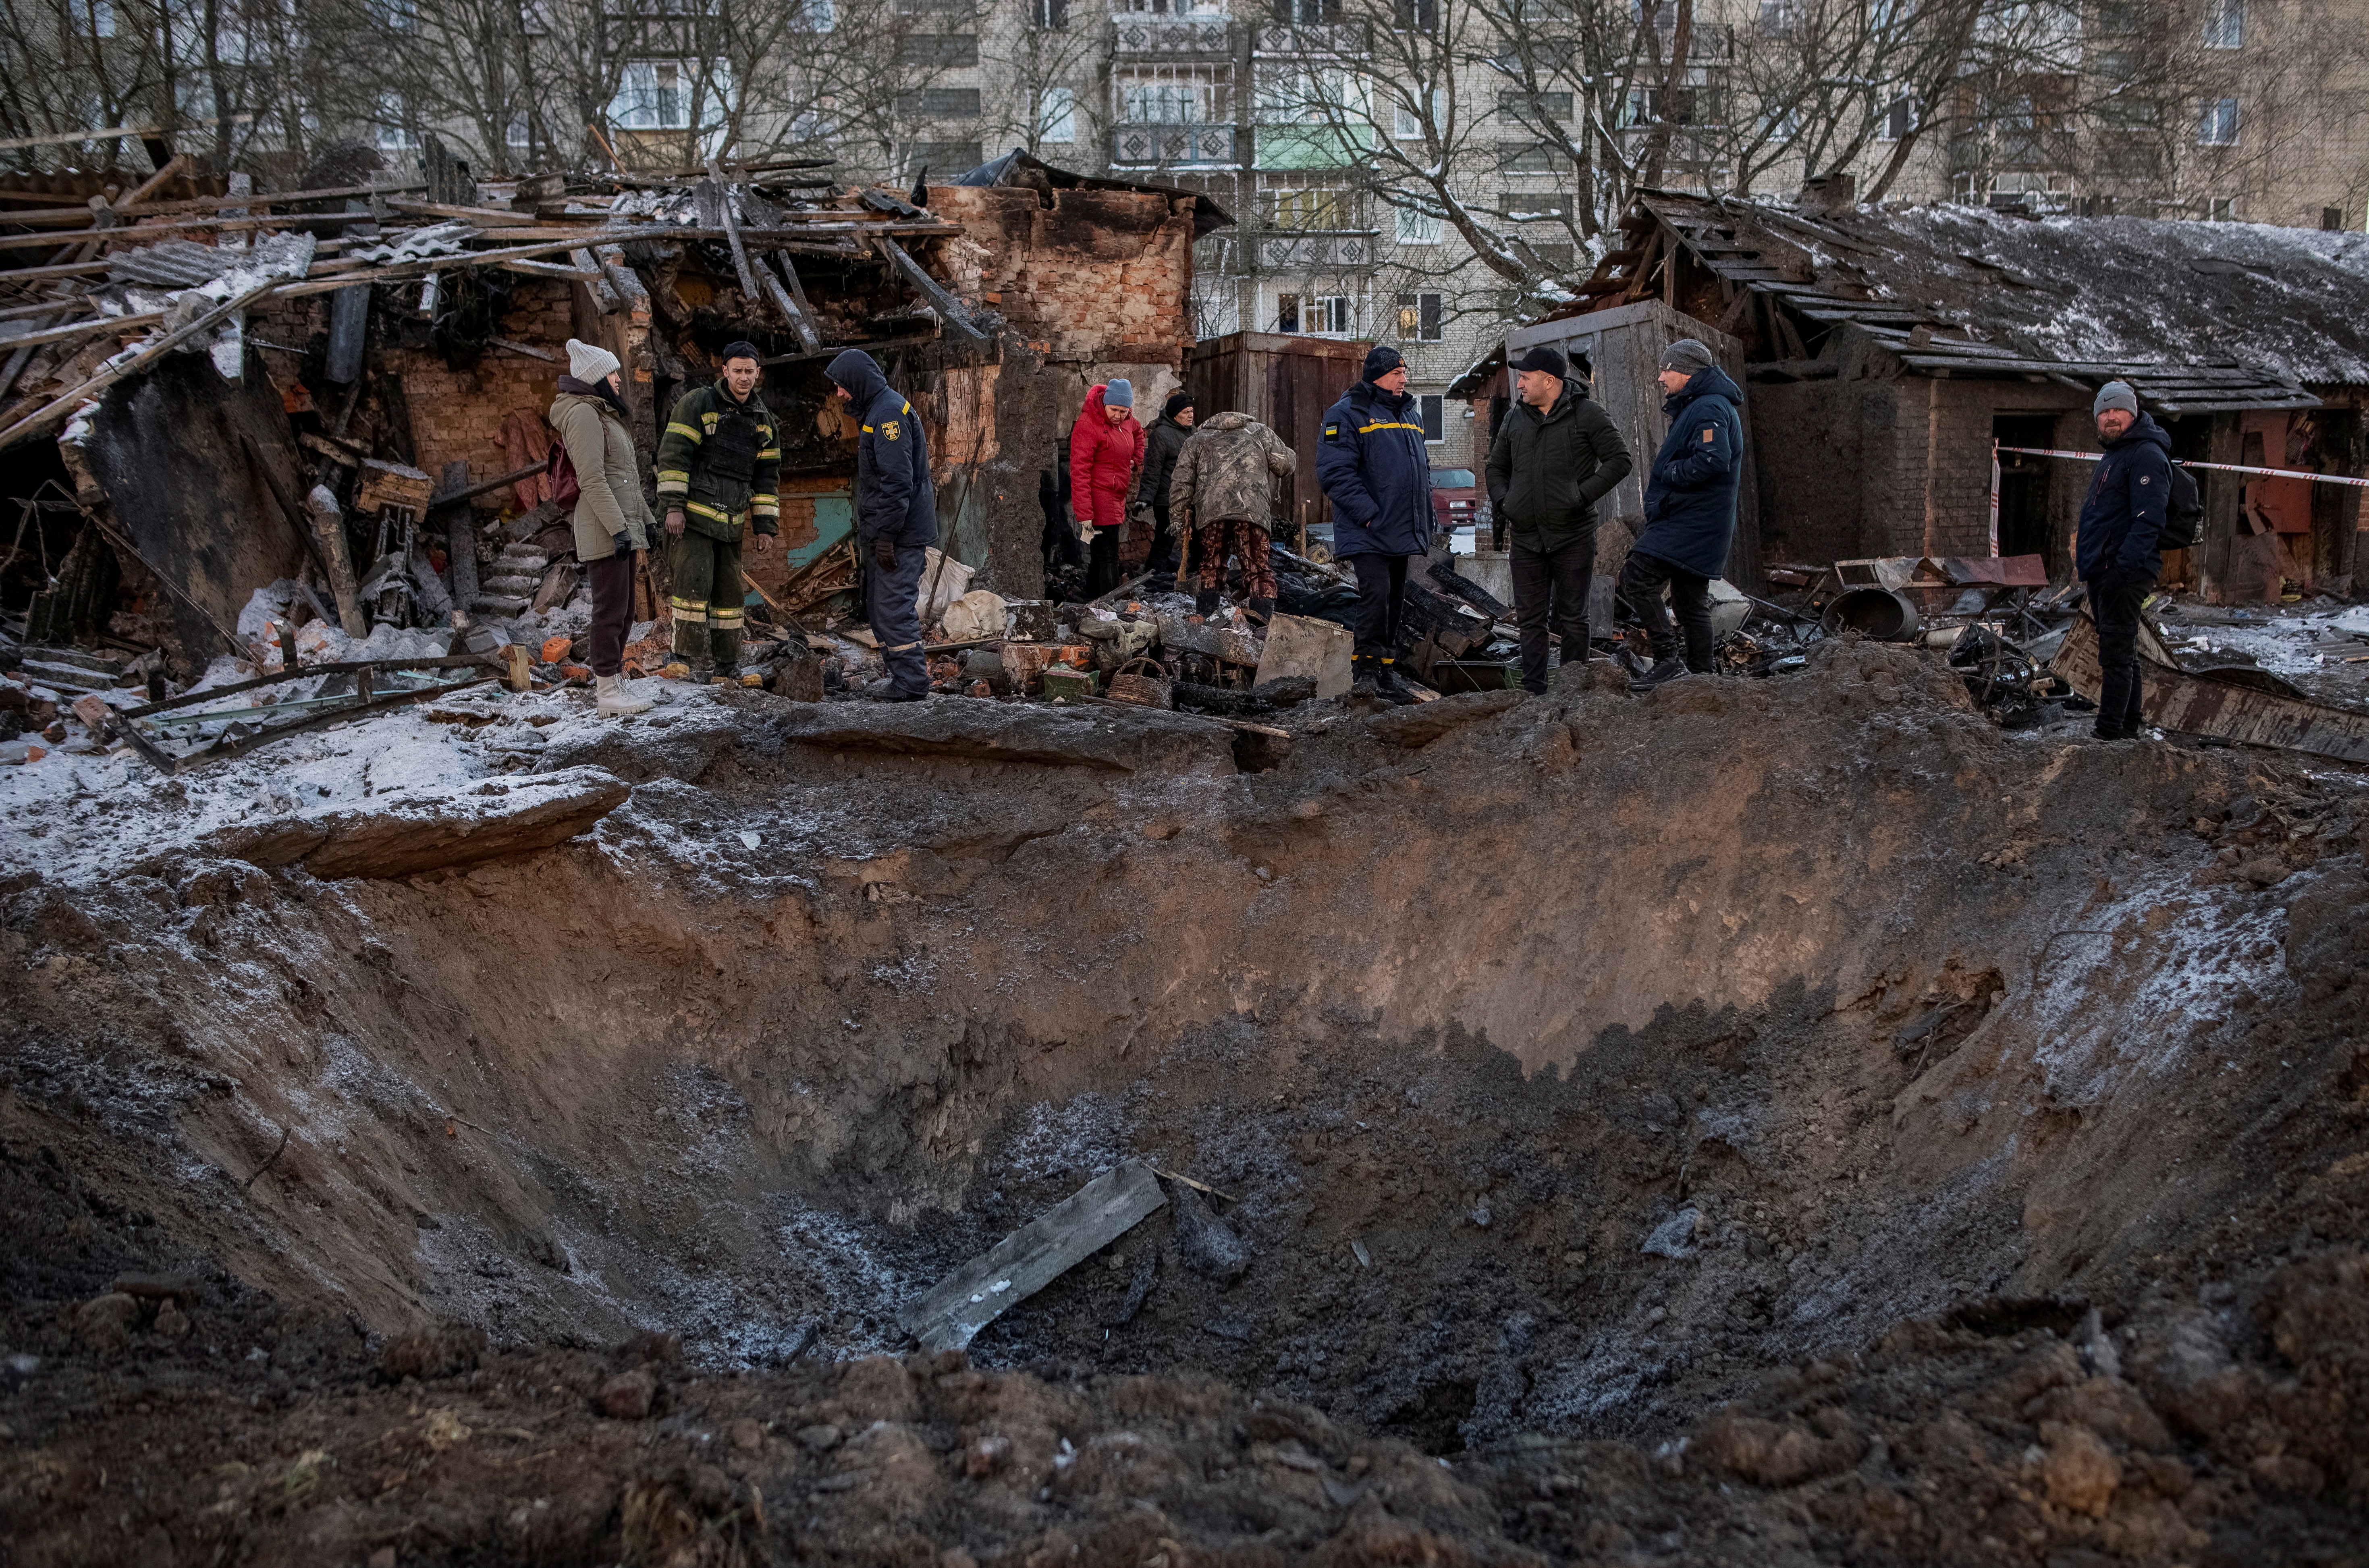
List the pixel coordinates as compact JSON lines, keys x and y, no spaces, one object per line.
{"x":2122,"y":518}
{"x":1370,"y":460}
{"x":1691,"y":495}
{"x":894,"y":498}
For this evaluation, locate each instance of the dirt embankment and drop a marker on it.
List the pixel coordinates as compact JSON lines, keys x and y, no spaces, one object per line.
{"x":1570,"y":1069}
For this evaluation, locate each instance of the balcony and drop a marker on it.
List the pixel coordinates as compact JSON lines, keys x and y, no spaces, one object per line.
{"x":1313,"y":249}
{"x":1336,"y":38}
{"x":1194,"y":146}
{"x":1143,"y":36}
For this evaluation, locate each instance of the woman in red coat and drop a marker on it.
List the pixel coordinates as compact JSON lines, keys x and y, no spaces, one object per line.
{"x":1105,"y":455}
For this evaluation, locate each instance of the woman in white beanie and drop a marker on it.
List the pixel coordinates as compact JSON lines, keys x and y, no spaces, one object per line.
{"x":612,"y":518}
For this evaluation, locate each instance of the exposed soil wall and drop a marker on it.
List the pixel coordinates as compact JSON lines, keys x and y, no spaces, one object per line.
{"x":1565,"y":1066}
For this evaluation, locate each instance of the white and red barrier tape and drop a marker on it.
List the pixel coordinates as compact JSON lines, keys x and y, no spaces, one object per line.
{"x":2223,"y":467}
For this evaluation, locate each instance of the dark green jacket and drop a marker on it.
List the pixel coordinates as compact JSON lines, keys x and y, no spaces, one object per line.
{"x":1547,"y":471}
{"x":720,"y":461}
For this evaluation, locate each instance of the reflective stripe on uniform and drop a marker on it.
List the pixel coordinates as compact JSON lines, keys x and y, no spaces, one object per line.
{"x":1363,"y":429}
{"x":725,"y":617}
{"x":714,"y":514}
{"x":690,"y":612}
{"x":676,"y":428}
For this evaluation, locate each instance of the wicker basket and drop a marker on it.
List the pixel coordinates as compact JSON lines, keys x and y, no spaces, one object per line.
{"x":1144,"y":682}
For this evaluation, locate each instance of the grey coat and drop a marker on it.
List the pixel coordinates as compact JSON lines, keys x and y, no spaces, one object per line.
{"x":606,"y":471}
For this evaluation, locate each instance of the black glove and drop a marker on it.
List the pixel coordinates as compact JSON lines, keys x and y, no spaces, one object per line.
{"x":622,"y":541}
{"x":884,"y":555}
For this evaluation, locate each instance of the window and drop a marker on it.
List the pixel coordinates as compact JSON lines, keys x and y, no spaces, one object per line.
{"x":659,"y":95}
{"x":938,"y":48}
{"x":1530,"y":107}
{"x":397,"y":132}
{"x":944,"y":159}
{"x":2224,"y":209}
{"x":939,"y":103}
{"x":518,"y":134}
{"x":1057,"y":115}
{"x":1330,"y":314}
{"x":92,"y":19}
{"x":1532,"y":158}
{"x":2217,"y":123}
{"x":1434,"y":411}
{"x":1778,"y":17}
{"x":1053,"y":16}
{"x":1415,"y":226}
{"x":395,"y":16}
{"x":815,"y":16}
{"x":1307,"y":13}
{"x":2331,"y":218}
{"x":1406,"y":123}
{"x":1418,"y":16}
{"x":2117,"y":64}
{"x":2225,"y":24}
{"x":1419,"y":317}
{"x":1899,"y":120}
{"x":1526,"y":206}
{"x":1311,"y":208}
{"x":534,"y":17}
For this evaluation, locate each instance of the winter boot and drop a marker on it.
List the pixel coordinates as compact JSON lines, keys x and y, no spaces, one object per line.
{"x":1391,"y":686}
{"x":886,"y":690}
{"x":1363,"y":670}
{"x":1261,"y":611}
{"x":1205,"y":603}
{"x":613,"y":700}
{"x":1665,"y":670}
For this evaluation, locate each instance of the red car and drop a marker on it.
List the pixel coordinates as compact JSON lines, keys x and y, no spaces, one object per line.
{"x":1454,"y":493}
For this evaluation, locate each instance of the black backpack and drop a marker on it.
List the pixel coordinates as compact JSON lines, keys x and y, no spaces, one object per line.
{"x":2183,"y":513}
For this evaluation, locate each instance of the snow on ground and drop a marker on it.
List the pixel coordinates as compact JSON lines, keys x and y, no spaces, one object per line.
{"x":78,"y":817}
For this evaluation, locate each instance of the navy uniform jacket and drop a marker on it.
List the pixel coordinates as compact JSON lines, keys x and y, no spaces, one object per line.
{"x":894,"y":498}
{"x":1370,"y":460}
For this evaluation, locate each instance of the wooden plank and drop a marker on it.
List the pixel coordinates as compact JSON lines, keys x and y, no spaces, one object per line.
{"x":2174,"y":699}
{"x":951,"y":1313}
{"x":484,"y":217}
{"x":59,"y":407}
{"x":950,"y":309}
{"x":82,"y":330}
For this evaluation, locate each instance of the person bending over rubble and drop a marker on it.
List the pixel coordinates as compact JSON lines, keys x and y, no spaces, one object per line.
{"x":717,"y":467}
{"x":2116,"y":550}
{"x":1223,"y":489}
{"x":1371,"y":461}
{"x":1690,"y":512}
{"x":1105,"y":455}
{"x":895,"y":521}
{"x":613,"y":523}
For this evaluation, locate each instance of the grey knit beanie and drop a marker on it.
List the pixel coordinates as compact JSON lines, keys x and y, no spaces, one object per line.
{"x":1687,"y":354}
{"x":590,"y":362}
{"x":2115,"y":395}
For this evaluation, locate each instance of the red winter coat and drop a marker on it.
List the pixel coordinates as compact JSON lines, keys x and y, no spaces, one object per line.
{"x":1104,"y":461}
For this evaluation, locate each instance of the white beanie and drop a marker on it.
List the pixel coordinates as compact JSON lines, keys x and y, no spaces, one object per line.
{"x":590,"y":362}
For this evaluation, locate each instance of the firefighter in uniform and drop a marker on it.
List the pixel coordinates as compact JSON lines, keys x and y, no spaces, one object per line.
{"x":718,"y":463}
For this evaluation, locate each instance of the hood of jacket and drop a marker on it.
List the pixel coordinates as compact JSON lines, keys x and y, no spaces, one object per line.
{"x":859,"y":374}
{"x":2143,"y":429}
{"x":1709,"y":380}
{"x":1232,"y":419}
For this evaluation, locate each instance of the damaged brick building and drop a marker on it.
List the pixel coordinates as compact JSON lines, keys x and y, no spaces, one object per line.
{"x":406,"y":358}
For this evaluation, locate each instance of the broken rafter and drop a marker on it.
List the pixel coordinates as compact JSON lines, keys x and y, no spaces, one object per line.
{"x":950,"y":310}
{"x":132,"y":365}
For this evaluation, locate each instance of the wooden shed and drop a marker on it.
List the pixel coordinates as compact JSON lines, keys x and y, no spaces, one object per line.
{"x":1624,"y":345}
{"x":1285,"y":383}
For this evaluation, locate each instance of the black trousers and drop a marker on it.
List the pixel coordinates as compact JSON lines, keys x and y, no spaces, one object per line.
{"x":2114,"y":601}
{"x":1643,"y":578}
{"x":1102,"y":563}
{"x":1381,"y":601}
{"x":1164,"y":557}
{"x":1551,"y":595}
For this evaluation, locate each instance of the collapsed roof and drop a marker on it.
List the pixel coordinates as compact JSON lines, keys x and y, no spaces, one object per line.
{"x":2200,"y":316}
{"x":1017,"y":168}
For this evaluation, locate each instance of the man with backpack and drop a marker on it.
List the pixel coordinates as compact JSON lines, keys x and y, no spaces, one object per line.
{"x":2116,"y":550}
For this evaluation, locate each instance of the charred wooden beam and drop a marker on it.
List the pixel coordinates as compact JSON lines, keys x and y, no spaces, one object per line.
{"x":950,"y":309}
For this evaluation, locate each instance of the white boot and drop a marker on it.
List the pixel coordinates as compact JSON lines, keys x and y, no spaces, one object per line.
{"x":614,"y":701}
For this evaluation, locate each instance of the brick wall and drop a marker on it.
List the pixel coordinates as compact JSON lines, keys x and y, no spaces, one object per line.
{"x":457,"y":415}
{"x":1098,"y":276}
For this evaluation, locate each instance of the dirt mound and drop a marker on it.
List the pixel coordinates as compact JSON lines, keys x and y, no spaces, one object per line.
{"x":1562,"y":1070}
